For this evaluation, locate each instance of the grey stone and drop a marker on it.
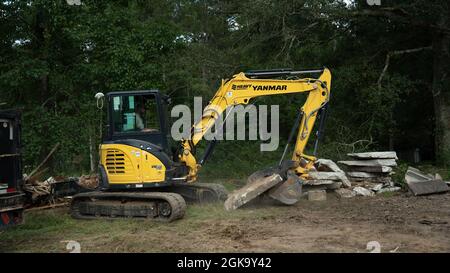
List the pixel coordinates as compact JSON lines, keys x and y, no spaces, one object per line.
{"x":375,"y":155}
{"x":345,"y":193}
{"x":317,"y":195}
{"x":377,"y":187}
{"x":363,"y":191}
{"x":389,"y":189}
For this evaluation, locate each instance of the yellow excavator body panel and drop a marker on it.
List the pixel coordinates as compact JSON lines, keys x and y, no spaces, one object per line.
{"x":125,"y":164}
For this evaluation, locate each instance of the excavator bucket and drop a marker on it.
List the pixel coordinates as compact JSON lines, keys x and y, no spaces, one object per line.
{"x":288,"y":192}
{"x":268,"y":181}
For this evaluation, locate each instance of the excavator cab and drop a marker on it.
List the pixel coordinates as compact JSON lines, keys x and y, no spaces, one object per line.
{"x":136,"y":150}
{"x":140,"y":115}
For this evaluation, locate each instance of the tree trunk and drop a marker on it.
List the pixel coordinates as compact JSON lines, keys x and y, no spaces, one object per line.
{"x":441,"y":91}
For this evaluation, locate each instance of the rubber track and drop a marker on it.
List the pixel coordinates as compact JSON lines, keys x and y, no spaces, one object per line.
{"x":176,"y":201}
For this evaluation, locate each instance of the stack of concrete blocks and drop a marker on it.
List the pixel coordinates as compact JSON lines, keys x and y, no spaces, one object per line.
{"x":371,"y":172}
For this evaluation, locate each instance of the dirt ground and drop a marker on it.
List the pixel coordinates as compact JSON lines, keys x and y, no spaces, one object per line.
{"x":399,"y":223}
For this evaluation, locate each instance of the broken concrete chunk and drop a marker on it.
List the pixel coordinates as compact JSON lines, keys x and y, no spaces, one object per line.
{"x":251,"y":191}
{"x":389,"y":189}
{"x":317,"y":195}
{"x":370,"y":162}
{"x":377,"y":187}
{"x":374,"y":155}
{"x":327,"y":165}
{"x":363,"y":191}
{"x":345,"y":193}
{"x":416,"y":175}
{"x":337,"y":176}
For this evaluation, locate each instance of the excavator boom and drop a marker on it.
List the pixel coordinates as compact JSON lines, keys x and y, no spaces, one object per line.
{"x":244,"y":87}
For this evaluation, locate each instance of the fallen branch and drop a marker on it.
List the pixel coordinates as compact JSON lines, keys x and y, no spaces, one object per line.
{"x":49,"y":206}
{"x":45,"y":160}
{"x":8,"y":155}
{"x":394,"y":53}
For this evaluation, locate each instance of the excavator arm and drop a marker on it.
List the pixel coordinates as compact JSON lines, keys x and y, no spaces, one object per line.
{"x":242,"y":88}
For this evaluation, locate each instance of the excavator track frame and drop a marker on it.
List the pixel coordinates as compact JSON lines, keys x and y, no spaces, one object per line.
{"x":137,"y":205}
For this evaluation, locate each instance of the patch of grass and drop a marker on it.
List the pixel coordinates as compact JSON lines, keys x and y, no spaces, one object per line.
{"x":399,"y":175}
{"x":388,"y":194}
{"x":45,"y":231}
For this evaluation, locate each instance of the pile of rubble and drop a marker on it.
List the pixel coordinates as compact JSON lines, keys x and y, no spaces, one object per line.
{"x":371,"y":172}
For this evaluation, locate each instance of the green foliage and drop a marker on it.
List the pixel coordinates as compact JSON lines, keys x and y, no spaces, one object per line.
{"x":54,"y":57}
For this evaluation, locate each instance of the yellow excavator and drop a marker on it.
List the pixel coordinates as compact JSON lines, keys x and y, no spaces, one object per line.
{"x":140,"y":176}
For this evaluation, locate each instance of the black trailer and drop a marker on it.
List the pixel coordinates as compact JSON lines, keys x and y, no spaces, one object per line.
{"x":12,"y":197}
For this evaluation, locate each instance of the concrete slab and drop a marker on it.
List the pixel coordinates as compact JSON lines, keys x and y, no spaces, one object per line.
{"x":336,"y":176}
{"x":363,"y":174}
{"x":371,"y":169}
{"x":374,"y":155}
{"x":319,"y":182}
{"x":250,"y":191}
{"x":370,"y":162}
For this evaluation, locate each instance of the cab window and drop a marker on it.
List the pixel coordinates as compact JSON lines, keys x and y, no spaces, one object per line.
{"x":135,"y":113}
